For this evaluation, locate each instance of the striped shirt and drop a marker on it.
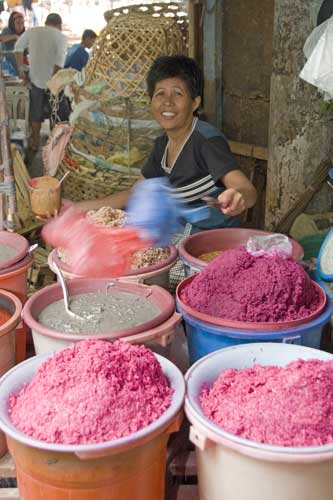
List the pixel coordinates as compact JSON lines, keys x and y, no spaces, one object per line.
{"x":200,"y":166}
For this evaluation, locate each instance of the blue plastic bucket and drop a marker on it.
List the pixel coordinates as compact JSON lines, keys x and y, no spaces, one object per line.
{"x":204,"y":338}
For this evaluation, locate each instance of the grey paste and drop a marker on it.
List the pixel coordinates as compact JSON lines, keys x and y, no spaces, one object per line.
{"x":102,"y":312}
{"x":7,"y":252}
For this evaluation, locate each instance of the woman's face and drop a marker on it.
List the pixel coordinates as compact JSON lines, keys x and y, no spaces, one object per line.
{"x":172,"y":105}
{"x":19,"y":24}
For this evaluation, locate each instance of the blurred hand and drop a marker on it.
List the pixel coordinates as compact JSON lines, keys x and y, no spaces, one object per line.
{"x":232,"y":202}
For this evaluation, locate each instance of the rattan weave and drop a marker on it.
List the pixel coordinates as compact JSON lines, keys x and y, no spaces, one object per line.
{"x":127,"y":46}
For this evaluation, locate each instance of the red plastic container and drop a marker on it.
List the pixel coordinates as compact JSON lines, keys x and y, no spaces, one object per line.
{"x":18,"y":243}
{"x":10,"y":303}
{"x":14,"y":279}
{"x":158,"y":274}
{"x":159,"y":330}
{"x":220,"y":239}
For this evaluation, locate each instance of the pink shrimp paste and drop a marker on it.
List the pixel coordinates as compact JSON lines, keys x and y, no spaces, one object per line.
{"x":238,"y":286}
{"x":91,"y":392}
{"x":289,"y":406}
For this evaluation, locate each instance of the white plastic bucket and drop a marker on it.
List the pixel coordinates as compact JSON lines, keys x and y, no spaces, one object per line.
{"x":233,"y":468}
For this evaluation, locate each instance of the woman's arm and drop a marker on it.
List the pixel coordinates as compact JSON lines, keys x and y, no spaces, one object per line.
{"x":239,"y":195}
{"x":8,"y":37}
{"x":116,"y":200}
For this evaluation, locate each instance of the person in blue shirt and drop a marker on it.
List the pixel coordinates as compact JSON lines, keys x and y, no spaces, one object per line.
{"x":77,"y":56}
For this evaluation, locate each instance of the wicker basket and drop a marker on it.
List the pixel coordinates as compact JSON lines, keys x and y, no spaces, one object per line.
{"x":126,"y":48}
{"x":87,"y":183}
{"x":119,"y":127}
{"x":108,"y":149}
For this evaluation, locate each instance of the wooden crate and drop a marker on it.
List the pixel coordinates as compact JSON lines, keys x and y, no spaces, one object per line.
{"x":7,"y":471}
{"x":40,"y":275}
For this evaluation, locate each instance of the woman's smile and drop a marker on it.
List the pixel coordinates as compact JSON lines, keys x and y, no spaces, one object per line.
{"x":173,"y":106}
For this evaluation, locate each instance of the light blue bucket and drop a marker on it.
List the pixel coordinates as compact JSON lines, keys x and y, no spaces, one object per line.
{"x":204,"y":338}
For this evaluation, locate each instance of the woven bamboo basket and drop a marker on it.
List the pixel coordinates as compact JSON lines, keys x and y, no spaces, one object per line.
{"x":108,"y":149}
{"x":125,"y":49}
{"x":112,"y":140}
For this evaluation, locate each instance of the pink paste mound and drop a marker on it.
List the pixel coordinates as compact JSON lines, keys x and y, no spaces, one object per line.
{"x":290,"y":406}
{"x":91,"y":392}
{"x":237,"y":286}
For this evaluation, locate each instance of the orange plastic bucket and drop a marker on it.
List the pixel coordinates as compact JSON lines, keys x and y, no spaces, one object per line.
{"x":128,"y":468}
{"x":14,"y":279}
{"x":11,"y":304}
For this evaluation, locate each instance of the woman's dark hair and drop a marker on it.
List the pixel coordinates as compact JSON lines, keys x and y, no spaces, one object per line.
{"x":11,"y":21}
{"x":182,"y":67}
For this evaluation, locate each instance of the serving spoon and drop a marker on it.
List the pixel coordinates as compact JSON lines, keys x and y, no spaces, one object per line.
{"x":66,"y":294}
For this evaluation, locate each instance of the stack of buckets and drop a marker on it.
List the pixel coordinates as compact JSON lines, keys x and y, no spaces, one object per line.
{"x":13,"y":293}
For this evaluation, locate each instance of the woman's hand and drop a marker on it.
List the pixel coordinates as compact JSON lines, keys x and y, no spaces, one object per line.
{"x":239,"y":195}
{"x":232,"y":202}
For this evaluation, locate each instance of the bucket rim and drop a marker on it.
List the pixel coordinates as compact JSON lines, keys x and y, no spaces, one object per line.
{"x":246,"y":446}
{"x":176,"y":381}
{"x":185,"y":256}
{"x":18,"y":243}
{"x":248,"y":333}
{"x":15,"y":318}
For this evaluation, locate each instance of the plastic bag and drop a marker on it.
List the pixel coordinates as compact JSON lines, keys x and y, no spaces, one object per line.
{"x":270,"y":244}
{"x":153,"y":211}
{"x":318,"y":49}
{"x":94,"y":251}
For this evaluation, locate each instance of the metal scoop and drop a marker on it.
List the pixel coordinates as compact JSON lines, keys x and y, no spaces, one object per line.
{"x":65,"y":293}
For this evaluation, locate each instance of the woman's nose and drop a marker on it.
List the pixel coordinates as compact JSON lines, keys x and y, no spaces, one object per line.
{"x":168,"y":100}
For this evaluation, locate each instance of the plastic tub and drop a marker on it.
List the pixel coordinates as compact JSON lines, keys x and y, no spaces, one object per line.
{"x":243,"y":325}
{"x":130,"y":468}
{"x":158,"y":331}
{"x":10,"y":303}
{"x":14,"y":279}
{"x":205,"y":337}
{"x":231,"y":467}
{"x":153,"y":275}
{"x":219,"y":239}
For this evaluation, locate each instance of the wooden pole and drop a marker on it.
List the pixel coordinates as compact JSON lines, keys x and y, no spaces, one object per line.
{"x":212,"y":61}
{"x":7,"y":180}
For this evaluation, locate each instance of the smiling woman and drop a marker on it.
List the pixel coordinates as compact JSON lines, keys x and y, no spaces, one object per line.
{"x":192,"y":154}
